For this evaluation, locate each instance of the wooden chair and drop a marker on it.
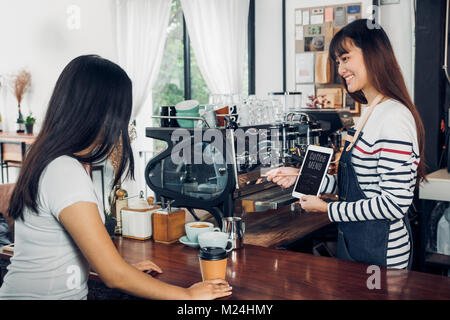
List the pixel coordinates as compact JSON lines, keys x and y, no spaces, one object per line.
{"x":11,"y":155}
{"x":5,"y":195}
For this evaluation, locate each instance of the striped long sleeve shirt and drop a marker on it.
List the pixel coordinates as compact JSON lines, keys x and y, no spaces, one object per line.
{"x":385,"y":159}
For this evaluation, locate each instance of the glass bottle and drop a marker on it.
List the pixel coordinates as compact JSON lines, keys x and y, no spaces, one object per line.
{"x":20,"y":123}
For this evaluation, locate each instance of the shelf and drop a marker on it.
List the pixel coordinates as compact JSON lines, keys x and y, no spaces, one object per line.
{"x":437,"y":186}
{"x":438,"y":260}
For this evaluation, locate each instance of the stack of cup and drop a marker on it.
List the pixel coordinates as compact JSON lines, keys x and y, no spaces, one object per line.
{"x":210,"y":116}
{"x":188,"y":108}
{"x":221,"y":113}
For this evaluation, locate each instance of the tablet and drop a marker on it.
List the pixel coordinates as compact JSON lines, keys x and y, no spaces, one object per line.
{"x":313,"y":171}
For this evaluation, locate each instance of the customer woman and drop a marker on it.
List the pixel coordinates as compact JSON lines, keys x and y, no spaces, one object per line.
{"x":380,"y":166}
{"x":59,"y":220}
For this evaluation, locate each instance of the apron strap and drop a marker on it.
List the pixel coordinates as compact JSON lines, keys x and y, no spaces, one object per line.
{"x":352,"y":139}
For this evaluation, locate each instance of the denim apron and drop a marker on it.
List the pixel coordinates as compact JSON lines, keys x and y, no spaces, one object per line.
{"x":362,"y":241}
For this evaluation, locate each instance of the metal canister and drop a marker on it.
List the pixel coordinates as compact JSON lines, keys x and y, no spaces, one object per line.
{"x":235,"y":228}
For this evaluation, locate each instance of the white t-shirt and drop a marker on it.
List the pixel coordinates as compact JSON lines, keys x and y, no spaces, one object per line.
{"x":47,"y":264}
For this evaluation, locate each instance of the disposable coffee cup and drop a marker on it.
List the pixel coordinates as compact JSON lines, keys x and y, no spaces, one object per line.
{"x":213,"y":263}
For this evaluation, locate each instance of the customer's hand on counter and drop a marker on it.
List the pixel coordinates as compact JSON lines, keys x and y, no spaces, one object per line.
{"x":147,"y":266}
{"x":283,"y":176}
{"x":209,"y":289}
{"x":313,"y":204}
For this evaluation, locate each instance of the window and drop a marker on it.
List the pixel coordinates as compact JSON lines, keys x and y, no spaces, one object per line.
{"x":180,"y":77}
{"x":169,"y":87}
{"x":199,"y":89}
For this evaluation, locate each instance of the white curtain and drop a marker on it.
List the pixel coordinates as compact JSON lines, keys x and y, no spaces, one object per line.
{"x":141,"y":36}
{"x":218,"y":32}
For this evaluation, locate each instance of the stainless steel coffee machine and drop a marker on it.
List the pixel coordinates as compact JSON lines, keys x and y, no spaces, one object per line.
{"x":219,"y":170}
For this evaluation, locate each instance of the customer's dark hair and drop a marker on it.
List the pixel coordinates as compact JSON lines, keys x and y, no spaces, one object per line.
{"x":91,"y":103}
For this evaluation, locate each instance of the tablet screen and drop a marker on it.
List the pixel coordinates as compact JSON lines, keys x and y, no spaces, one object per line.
{"x":313,"y":169}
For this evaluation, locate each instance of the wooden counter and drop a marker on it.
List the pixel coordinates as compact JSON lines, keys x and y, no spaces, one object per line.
{"x":262,"y":273}
{"x":278,"y":228}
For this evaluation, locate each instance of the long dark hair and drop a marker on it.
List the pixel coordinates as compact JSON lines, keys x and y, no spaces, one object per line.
{"x":91,"y":103}
{"x":382,"y":69}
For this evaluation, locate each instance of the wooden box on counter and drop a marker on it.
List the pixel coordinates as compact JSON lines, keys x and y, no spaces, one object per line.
{"x":168,"y":227}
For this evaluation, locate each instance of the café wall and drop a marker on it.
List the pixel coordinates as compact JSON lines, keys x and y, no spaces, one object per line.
{"x":37,"y":35}
{"x":396,"y":19}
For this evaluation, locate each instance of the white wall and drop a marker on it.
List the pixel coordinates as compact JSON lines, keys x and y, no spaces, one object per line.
{"x":396,"y":19}
{"x":34,"y":34}
{"x":268,"y":47}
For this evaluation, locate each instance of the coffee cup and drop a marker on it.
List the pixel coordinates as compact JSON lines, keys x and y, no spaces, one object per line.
{"x":164,"y":111}
{"x":213,"y":263}
{"x":173,"y":123}
{"x":186,"y":123}
{"x":188,"y":108}
{"x":210,"y":117}
{"x":220,"y":115}
{"x":215,"y":239}
{"x":193,"y":229}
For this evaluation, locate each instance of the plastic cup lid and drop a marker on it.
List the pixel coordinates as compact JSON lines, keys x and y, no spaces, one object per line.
{"x":212,"y":253}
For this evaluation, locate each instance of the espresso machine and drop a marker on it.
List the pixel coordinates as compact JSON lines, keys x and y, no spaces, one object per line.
{"x":219,"y":169}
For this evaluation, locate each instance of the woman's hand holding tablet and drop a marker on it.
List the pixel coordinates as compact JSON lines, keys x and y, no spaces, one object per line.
{"x":313,"y":204}
{"x":308,"y":179}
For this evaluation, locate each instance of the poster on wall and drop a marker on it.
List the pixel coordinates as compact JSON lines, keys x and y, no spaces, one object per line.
{"x":309,"y":31}
{"x":304,"y":67}
{"x":316,"y":43}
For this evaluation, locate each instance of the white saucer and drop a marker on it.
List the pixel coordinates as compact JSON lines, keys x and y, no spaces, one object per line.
{"x":184,"y":240}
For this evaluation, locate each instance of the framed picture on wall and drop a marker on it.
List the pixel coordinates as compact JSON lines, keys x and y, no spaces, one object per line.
{"x":353,"y":106}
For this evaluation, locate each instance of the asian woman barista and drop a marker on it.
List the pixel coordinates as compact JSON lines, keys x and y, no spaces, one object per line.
{"x":379,"y":167}
{"x":59,"y":229}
